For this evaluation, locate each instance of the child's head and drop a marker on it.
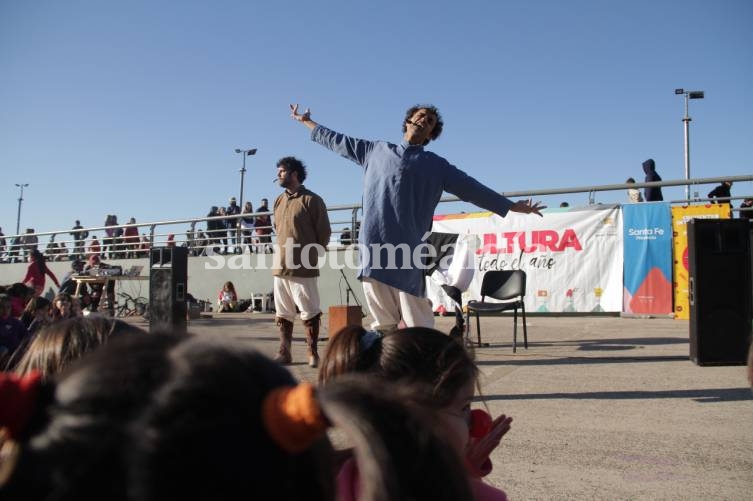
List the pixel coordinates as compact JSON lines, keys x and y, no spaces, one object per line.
{"x":62,"y":305}
{"x":38,"y":307}
{"x":228,"y":286}
{"x":59,"y":344}
{"x":181,"y":417}
{"x":415,"y":355}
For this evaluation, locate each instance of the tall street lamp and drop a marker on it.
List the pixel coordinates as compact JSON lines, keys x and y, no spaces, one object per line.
{"x":689,"y":94}
{"x":20,"y":200}
{"x":245,"y":153}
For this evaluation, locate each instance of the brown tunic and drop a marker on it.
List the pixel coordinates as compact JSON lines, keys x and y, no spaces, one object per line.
{"x":301,"y":217}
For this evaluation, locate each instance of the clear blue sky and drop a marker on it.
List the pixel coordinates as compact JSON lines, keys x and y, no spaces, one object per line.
{"x":134,"y":108}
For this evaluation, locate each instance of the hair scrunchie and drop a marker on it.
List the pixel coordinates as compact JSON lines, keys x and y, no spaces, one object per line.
{"x":293,"y":418}
{"x":18,"y":396}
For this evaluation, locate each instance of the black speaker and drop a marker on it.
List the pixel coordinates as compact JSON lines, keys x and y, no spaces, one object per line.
{"x":721,"y":294}
{"x":168,"y":284}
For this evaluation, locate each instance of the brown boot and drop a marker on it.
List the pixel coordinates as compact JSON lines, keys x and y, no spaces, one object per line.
{"x":284,"y":356}
{"x":312,"y":336}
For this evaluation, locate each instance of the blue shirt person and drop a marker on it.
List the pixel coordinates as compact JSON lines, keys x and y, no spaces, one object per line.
{"x":403,"y":184}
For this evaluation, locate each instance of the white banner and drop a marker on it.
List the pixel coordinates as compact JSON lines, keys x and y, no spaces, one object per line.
{"x":572,"y":257}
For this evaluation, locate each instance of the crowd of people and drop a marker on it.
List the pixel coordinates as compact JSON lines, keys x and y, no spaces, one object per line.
{"x":140,"y":413}
{"x":122,"y":241}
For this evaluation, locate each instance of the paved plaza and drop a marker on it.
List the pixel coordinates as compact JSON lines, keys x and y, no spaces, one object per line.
{"x":603,"y":407}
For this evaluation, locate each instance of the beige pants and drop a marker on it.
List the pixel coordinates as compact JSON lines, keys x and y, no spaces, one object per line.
{"x":389,"y":305}
{"x":296,"y":291}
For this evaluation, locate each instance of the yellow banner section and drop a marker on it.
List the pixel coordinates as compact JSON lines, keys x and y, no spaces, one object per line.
{"x":680,"y":217}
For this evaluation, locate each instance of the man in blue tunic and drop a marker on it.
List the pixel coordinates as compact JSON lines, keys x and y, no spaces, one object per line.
{"x":403,"y":184}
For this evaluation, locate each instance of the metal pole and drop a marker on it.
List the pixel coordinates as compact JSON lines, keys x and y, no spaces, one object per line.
{"x":243,"y":173}
{"x":20,"y":200}
{"x":238,"y":232}
{"x":686,"y":122}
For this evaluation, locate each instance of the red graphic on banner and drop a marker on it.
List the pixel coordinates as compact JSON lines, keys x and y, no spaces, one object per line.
{"x":534,"y":241}
{"x":654,"y":295}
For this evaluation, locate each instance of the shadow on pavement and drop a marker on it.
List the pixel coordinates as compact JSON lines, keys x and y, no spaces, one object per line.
{"x":704,"y":396}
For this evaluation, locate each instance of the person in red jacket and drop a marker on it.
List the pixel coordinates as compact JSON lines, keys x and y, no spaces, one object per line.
{"x":36,"y":272}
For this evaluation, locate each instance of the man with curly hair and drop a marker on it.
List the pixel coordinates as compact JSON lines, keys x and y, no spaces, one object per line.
{"x":403,"y":184}
{"x":303,"y":230}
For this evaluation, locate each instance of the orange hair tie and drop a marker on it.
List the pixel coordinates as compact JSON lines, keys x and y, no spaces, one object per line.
{"x":293,"y":418}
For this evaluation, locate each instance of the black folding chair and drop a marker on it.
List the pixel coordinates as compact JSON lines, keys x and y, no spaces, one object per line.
{"x":504,"y":285}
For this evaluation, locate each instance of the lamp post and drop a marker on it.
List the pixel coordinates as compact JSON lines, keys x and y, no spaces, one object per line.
{"x":689,"y":94}
{"x":245,"y":153}
{"x":20,"y":200}
{"x":238,"y":233}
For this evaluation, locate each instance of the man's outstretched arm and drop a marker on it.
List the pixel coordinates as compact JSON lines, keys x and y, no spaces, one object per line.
{"x":304,"y":118}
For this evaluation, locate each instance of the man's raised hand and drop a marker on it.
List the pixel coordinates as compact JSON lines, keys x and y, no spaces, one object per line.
{"x":301,"y":117}
{"x":528,"y":207}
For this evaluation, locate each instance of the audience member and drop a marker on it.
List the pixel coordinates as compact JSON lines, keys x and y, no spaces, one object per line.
{"x":12,"y":331}
{"x":232,"y":225}
{"x":19,"y":294}
{"x":181,"y":417}
{"x":59,"y":344}
{"x":263,"y":224}
{"x":95,"y":249}
{"x":131,"y":239}
{"x":651,"y":194}
{"x":79,"y":235}
{"x":30,"y":242}
{"x":146,"y":244}
{"x":721,"y":191}
{"x":37,"y":272}
{"x":37,"y":314}
{"x":247,"y":227}
{"x":2,"y":245}
{"x":98,"y":290}
{"x":634,"y":194}
{"x":201,"y":243}
{"x":62,"y":307}
{"x":227,"y":299}
{"x":15,"y":249}
{"x":215,"y":228}
{"x":345,"y":237}
{"x":746,"y":204}
{"x":420,"y":356}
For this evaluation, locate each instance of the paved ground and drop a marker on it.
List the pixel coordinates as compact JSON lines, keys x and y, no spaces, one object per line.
{"x":603,"y":407}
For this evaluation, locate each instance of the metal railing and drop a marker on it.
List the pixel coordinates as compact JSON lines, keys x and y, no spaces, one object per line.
{"x":200,"y":241}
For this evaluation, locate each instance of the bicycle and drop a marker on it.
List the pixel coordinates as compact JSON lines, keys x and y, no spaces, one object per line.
{"x":132,"y":306}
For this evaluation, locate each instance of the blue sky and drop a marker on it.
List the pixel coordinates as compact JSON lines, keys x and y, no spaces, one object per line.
{"x":134,"y":108}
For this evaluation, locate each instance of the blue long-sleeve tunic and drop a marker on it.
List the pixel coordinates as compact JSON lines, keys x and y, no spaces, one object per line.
{"x":402,"y":186}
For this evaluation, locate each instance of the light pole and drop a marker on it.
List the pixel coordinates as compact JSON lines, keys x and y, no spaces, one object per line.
{"x":20,"y":200}
{"x":238,"y":233}
{"x":245,"y":153}
{"x":689,"y":94}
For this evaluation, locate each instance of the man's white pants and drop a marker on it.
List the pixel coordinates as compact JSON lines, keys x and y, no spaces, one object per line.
{"x":296,"y":291}
{"x":389,"y":305}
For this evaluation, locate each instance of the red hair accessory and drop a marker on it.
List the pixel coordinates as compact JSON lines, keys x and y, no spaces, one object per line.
{"x":293,"y":418}
{"x":481,"y":423}
{"x":17,"y":398}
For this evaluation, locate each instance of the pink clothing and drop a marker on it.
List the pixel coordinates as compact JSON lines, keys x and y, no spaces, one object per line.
{"x":37,"y":278}
{"x":227,"y":296}
{"x":348,"y":485}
